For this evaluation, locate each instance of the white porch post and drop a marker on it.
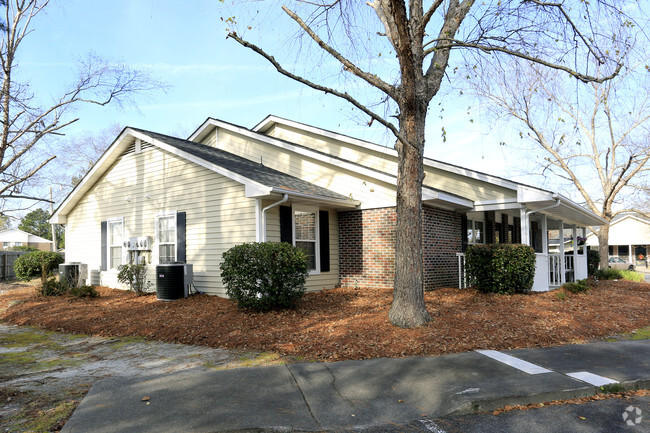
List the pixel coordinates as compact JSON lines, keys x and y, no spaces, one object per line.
{"x":562,"y":264}
{"x":525,"y":226}
{"x":574,"y":233}
{"x":630,"y":255}
{"x":259,"y":230}
{"x":544,"y":235}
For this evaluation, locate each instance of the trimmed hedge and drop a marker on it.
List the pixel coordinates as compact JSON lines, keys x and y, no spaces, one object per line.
{"x":264,"y":276}
{"x":37,"y":263}
{"x":501,"y":268}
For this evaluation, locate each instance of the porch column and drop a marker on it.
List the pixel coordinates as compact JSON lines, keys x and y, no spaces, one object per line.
{"x":631,"y":256}
{"x":524,"y":223}
{"x":574,"y":233}
{"x":562,"y":264}
{"x":259,"y":229}
{"x":544,"y":234}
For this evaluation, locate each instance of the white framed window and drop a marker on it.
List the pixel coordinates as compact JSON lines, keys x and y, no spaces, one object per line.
{"x":5,"y":244}
{"x":306,"y":236}
{"x":166,"y":237}
{"x":115,"y":242}
{"x":475,"y":232}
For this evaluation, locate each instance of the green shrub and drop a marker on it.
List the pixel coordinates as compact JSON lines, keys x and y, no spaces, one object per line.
{"x":83,"y":292}
{"x":633,"y":276}
{"x":608,"y":274}
{"x":579,"y":286}
{"x":593,"y":260}
{"x":23,"y":248}
{"x":52,"y":287}
{"x":135,"y":276}
{"x":36,"y":263}
{"x":264,"y":276}
{"x":501,"y":268}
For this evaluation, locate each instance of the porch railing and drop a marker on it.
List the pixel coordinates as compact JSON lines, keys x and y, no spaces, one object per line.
{"x":555,"y":270}
{"x":462,"y":275}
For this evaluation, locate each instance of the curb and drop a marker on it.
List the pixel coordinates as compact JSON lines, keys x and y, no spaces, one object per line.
{"x":490,"y":404}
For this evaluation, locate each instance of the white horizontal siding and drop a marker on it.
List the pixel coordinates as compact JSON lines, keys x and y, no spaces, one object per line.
{"x":218,"y":214}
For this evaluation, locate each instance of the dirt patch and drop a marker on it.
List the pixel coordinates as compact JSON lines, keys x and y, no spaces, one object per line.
{"x":343,"y":324}
{"x":44,"y":375}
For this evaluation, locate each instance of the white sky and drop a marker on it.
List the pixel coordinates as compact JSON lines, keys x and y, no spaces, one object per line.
{"x":184,"y":45}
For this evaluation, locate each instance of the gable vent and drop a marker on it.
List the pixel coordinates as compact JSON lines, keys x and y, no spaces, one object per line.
{"x":131,"y":149}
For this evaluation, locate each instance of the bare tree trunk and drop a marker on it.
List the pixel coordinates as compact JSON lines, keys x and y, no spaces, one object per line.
{"x":603,"y":246}
{"x":408,"y":309}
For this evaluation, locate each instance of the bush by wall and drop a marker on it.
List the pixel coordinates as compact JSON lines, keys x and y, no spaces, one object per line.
{"x":264,"y":276}
{"x":501,"y":268}
{"x":593,"y":260}
{"x":608,"y":274}
{"x":135,"y":276}
{"x":37,"y":263}
{"x":579,"y":286}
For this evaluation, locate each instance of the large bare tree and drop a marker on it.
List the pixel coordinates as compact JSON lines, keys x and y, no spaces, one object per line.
{"x":596,"y":137}
{"x":419,"y":38}
{"x":26,"y":122}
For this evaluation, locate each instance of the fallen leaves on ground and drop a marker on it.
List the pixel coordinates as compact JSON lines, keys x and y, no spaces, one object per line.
{"x":350,"y":323}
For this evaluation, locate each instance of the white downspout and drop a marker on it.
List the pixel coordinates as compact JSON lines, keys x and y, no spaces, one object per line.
{"x":272,"y":205}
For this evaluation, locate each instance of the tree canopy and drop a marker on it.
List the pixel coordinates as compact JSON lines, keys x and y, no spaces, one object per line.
{"x":393,"y":58}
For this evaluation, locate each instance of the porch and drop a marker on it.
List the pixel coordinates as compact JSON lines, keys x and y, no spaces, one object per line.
{"x":560,"y":251}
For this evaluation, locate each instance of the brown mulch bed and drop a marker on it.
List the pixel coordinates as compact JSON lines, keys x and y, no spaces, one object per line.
{"x":343,"y":324}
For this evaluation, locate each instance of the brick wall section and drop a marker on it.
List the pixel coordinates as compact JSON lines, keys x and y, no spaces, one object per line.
{"x":503,"y":236}
{"x":367,"y":247}
{"x":490,"y":226}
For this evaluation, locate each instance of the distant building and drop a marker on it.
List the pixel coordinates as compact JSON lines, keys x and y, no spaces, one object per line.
{"x":629,"y":239}
{"x":15,"y":238}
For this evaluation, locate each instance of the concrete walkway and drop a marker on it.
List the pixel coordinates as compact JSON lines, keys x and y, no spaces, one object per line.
{"x":356,"y":394}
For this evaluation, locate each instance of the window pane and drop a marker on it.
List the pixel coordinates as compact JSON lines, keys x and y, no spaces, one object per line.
{"x":116,"y":257}
{"x":167,"y":253}
{"x":478,"y":231}
{"x":305,"y":225}
{"x":115,"y":229}
{"x":310,"y":249}
{"x":166,"y":229}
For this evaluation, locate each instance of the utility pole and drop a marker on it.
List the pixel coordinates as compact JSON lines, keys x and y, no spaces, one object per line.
{"x":53,"y":225}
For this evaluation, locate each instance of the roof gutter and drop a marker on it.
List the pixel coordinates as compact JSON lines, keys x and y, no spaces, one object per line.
{"x":556,"y":204}
{"x":271,"y":206}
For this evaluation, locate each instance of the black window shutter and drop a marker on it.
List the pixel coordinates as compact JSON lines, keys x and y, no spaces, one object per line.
{"x":463,"y":232}
{"x":180,"y":237}
{"x":324,"y":231}
{"x":286,"y":229}
{"x":104,"y":246}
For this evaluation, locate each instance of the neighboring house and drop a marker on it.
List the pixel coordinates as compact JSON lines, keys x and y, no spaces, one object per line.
{"x":629,"y":238}
{"x":330,"y":194}
{"x":16,"y":238}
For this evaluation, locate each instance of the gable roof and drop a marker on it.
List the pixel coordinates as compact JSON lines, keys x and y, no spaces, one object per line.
{"x":259,"y":180}
{"x":6,"y":236}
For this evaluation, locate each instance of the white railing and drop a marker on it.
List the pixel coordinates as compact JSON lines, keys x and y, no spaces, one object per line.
{"x":462,"y":276}
{"x":555,"y":270}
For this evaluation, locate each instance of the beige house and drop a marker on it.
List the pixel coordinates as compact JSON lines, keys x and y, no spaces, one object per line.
{"x":629,"y":239}
{"x":17,"y":238}
{"x":161,"y":199}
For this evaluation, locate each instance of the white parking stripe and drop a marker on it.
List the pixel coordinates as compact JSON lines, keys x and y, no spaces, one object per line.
{"x":591,"y":378}
{"x":517,"y":363}
{"x":431,"y":426}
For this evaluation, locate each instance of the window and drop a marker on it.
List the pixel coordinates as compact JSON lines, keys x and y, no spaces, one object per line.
{"x":475,"y":233}
{"x":115,"y":232}
{"x":166,"y":238}
{"x":305,"y":229}
{"x":5,"y":245}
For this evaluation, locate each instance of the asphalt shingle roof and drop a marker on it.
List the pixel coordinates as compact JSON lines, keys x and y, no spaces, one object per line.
{"x":245,"y":167}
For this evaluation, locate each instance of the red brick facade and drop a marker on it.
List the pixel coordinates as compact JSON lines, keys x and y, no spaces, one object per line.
{"x":367,"y":247}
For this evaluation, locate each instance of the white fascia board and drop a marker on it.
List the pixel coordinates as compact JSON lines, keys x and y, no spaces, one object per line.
{"x":527,"y":194}
{"x":98,"y":169}
{"x":248,"y":183}
{"x":203,"y":129}
{"x":586,"y":212}
{"x":319,"y":198}
{"x":496,"y":206}
{"x":453,"y":200}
